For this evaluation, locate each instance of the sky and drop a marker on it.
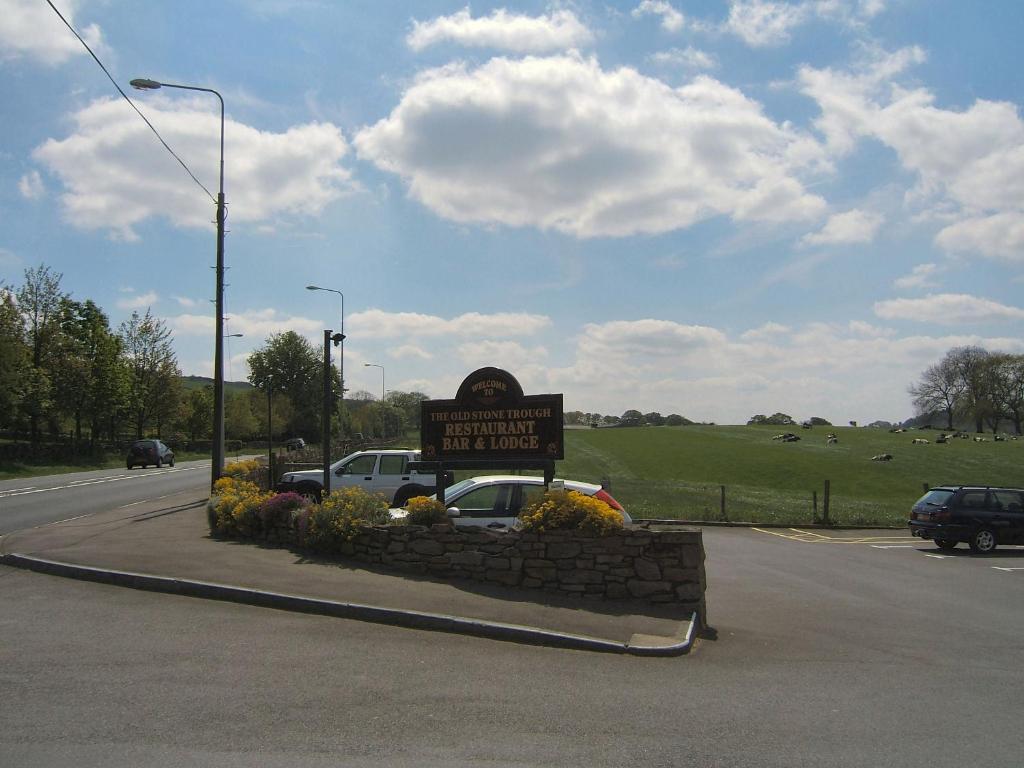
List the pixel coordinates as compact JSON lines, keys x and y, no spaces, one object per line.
{"x":716,"y":208}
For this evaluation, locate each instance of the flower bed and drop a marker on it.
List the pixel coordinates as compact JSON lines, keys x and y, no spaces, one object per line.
{"x":603,"y":562}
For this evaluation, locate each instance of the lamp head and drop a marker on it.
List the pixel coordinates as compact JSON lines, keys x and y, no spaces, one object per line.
{"x":313,"y":288}
{"x":145,"y":84}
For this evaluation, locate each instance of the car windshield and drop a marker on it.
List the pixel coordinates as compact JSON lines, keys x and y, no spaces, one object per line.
{"x":935,"y":498}
{"x":459,"y":487}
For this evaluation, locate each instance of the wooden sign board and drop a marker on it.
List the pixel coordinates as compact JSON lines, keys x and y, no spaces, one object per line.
{"x":491,"y":419}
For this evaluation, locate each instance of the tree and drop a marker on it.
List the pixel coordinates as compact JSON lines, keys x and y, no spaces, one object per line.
{"x":88,"y":380}
{"x":240,"y":422}
{"x":152,"y":371}
{"x":938,"y":391}
{"x":198,"y":420}
{"x":39,"y":301}
{"x":817,"y":421}
{"x":675,"y":420}
{"x":295,"y":368}
{"x":14,"y":356}
{"x":776,"y":419}
{"x":631,"y":418}
{"x":1014,"y":372}
{"x":968,"y":365}
{"x":408,"y":404}
{"x":654,"y":419}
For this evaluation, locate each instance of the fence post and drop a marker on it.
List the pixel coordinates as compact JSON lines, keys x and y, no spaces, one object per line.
{"x":722,"y":506}
{"x":825,"y":504}
{"x":814,"y":501}
{"x":925,"y":487}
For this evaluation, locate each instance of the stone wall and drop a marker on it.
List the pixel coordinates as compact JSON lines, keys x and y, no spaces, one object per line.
{"x":636,"y":564}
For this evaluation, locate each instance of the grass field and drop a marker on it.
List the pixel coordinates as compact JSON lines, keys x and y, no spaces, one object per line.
{"x":677,"y":472}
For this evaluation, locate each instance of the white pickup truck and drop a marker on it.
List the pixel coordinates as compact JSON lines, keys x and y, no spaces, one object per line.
{"x":383,"y":471}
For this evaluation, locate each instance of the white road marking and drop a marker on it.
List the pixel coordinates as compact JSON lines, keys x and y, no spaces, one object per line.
{"x":998,"y":568}
{"x":96,"y":481}
{"x":938,"y":557}
{"x":893,"y":546}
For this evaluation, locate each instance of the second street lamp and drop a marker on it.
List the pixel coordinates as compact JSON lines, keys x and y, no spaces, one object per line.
{"x":145,"y":84}
{"x":341,"y":352}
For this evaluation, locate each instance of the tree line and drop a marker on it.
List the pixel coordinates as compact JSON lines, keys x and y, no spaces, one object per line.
{"x":64,"y":369}
{"x":972,"y":384}
{"x":629,"y":418}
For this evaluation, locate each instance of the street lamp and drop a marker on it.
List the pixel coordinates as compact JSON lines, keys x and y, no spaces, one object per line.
{"x":341,"y":352}
{"x":144,"y":84}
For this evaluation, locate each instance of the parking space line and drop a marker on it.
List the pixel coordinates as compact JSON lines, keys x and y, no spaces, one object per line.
{"x":812,"y":537}
{"x":1000,"y":568}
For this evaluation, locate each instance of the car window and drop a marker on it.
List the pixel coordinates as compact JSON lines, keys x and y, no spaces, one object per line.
{"x":361,"y":465}
{"x":485,"y":501}
{"x":935,"y":497}
{"x":530,"y":494}
{"x":1009,"y":501}
{"x":973,"y":500}
{"x":392,"y":465}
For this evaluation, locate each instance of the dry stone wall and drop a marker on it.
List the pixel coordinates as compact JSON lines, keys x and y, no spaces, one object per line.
{"x":635,"y":564}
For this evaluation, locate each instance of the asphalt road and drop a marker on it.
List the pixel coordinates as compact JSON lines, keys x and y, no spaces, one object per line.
{"x":866,"y":649}
{"x":39,"y":500}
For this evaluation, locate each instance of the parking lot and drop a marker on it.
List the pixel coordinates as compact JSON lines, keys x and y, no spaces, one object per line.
{"x":1006,"y":558}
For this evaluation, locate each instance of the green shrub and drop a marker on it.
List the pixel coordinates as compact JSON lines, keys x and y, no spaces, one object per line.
{"x":235,"y":504}
{"x":341,"y":513}
{"x":570,"y":511}
{"x":423,"y":510}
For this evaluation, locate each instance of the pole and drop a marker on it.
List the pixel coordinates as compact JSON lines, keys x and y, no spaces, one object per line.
{"x":270,"y":435}
{"x":326,"y":439}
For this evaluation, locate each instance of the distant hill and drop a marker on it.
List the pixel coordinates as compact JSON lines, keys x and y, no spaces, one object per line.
{"x":230,"y":387}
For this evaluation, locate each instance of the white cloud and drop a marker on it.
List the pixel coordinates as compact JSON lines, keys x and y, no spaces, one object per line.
{"x":407,"y":351}
{"x":763,"y":333}
{"x":186,"y":302}
{"x":559,"y":30}
{"x":840,"y":371}
{"x":1000,"y":235}
{"x":690,"y":59}
{"x":31,"y":186}
{"x":922,"y":276}
{"x":762,"y":23}
{"x":32,"y":30}
{"x":671,"y":19}
{"x":561,"y":144}
{"x":948,"y":309}
{"x":847,"y":228}
{"x":116,"y":175}
{"x":255,"y":324}
{"x":142,"y":301}
{"x":765,"y":23}
{"x":969,"y":164}
{"x":376,"y":323}
{"x":509,"y":355}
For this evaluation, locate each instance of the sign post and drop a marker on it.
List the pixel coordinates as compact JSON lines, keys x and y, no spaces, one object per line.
{"x":491,"y":424}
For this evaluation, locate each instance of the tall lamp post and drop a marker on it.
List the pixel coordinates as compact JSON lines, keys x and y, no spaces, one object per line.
{"x":144,"y":84}
{"x":341,"y":352}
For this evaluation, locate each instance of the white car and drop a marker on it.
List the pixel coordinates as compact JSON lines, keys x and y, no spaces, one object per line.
{"x":494,"y":501}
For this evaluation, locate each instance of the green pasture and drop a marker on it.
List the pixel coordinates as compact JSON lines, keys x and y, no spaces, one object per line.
{"x":678,"y":472}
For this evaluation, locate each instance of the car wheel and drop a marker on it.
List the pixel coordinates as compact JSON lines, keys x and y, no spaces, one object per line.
{"x":983,"y":541}
{"x":129,"y":467}
{"x":310,"y":493}
{"x":171,"y":462}
{"x":945,"y":544}
{"x":159,"y":463}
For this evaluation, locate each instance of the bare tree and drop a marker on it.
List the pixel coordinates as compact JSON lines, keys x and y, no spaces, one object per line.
{"x":938,"y":391}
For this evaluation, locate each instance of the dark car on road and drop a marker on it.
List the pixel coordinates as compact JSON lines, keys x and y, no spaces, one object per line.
{"x":146,"y":452}
{"x":981,"y":516}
